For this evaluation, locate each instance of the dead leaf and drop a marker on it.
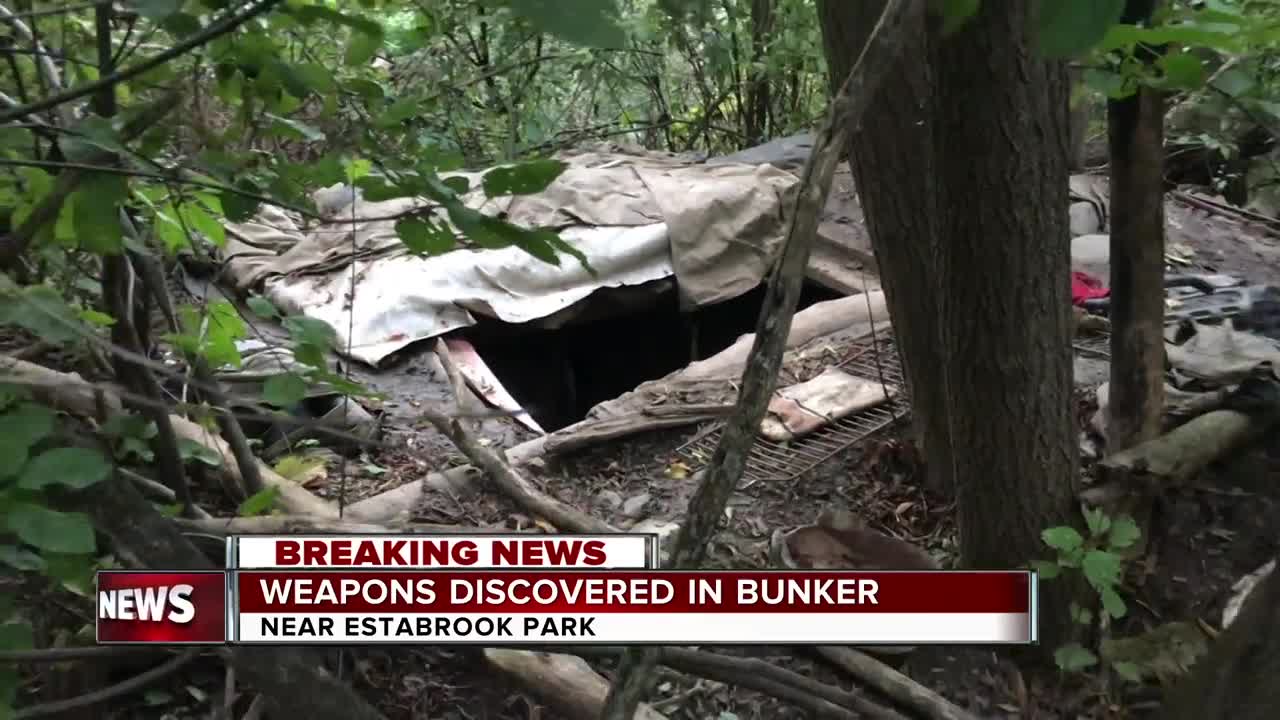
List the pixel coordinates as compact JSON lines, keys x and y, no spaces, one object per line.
{"x":677,"y":471}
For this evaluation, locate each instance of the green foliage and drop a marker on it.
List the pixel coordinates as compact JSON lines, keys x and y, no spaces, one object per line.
{"x":1066,"y":28}
{"x":1098,"y":558}
{"x":260,"y":503}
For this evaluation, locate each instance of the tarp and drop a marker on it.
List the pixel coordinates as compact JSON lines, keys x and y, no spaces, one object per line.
{"x":636,"y":218}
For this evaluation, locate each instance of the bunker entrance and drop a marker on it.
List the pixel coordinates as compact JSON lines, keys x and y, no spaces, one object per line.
{"x":559,"y":374}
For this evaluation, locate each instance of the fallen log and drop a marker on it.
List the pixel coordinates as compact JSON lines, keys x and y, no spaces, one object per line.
{"x":1175,"y":457}
{"x":73,"y":394}
{"x":904,"y":691}
{"x":564,"y":682}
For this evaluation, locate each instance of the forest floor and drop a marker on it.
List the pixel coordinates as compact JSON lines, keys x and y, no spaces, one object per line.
{"x":1204,"y":539}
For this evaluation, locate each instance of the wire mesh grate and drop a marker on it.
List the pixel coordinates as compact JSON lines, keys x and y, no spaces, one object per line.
{"x":870,"y":358}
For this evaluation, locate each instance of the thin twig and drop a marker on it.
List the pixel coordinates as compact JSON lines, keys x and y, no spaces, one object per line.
{"x":212,"y":31}
{"x":109,"y":693}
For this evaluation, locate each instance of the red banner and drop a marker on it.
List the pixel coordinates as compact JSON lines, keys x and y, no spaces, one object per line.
{"x":316,"y":592}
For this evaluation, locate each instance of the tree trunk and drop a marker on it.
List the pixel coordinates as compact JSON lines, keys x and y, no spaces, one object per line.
{"x":1001,"y":145}
{"x":758,"y":95}
{"x":1080,"y":116}
{"x":1136,"y":139}
{"x":1235,"y":680}
{"x":892,"y":159}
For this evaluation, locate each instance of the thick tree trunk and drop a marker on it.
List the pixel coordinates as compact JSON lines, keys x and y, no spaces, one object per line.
{"x":1136,"y":138}
{"x":1235,"y":680}
{"x":1002,"y":160}
{"x":891,"y":156}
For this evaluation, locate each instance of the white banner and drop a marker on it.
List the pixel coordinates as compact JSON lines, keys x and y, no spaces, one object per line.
{"x":472,"y":552}
{"x":638,"y":628}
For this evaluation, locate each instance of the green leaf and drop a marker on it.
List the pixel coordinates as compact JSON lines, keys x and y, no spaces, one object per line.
{"x":157,"y":10}
{"x":201,"y":215}
{"x":21,"y":428}
{"x":260,"y":503}
{"x":72,"y":467}
{"x":1129,"y":671}
{"x":955,"y":13}
{"x":1124,"y":533}
{"x":284,"y":390}
{"x":1066,"y":28}
{"x":73,"y":571}
{"x":592,"y":23}
{"x":189,"y":449}
{"x":523,"y":179}
{"x":16,"y":636}
{"x":51,"y":530}
{"x":1097,"y":522}
{"x":424,"y":237}
{"x":238,"y":207}
{"x":93,"y":317}
{"x":1113,"y":604}
{"x":262,"y":307}
{"x":1074,"y":657}
{"x":400,"y":110}
{"x":1046,"y":570}
{"x":490,"y":232}
{"x":47,"y":315}
{"x":312,"y":331}
{"x":1182,"y":70}
{"x":1081,"y":615}
{"x":287,"y":127}
{"x":97,"y":213}
{"x":21,"y":559}
{"x":1064,"y":538}
{"x":362,"y":47}
{"x":1101,"y":568}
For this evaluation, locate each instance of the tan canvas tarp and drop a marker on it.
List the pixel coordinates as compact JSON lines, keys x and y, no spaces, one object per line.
{"x":637,"y":219}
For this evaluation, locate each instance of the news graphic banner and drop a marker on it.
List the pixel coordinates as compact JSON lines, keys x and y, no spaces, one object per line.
{"x":542,"y":590}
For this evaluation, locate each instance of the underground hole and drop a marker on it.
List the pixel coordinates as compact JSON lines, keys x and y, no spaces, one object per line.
{"x":557,"y":375}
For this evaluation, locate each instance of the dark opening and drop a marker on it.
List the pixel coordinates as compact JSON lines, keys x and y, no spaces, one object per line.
{"x":558,"y":375}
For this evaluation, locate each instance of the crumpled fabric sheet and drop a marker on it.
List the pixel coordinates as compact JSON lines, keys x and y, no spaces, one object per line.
{"x":1086,"y":287}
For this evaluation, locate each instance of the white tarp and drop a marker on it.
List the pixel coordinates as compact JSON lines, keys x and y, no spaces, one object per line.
{"x":403,"y":299}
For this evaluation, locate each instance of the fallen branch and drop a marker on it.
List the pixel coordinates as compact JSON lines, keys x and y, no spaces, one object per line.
{"x":71,"y":393}
{"x":158,"y":490}
{"x":125,"y":687}
{"x":904,"y":691}
{"x":564,"y":682}
{"x":755,"y":674}
{"x":510,"y":481}
{"x":305,"y":525}
{"x":782,"y":293}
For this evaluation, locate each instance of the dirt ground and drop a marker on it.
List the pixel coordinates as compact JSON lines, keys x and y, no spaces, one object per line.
{"x":1204,"y":539}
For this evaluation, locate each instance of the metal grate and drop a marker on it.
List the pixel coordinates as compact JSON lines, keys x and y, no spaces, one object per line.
{"x":773,"y":461}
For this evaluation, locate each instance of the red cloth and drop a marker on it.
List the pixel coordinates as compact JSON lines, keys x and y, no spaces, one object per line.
{"x":1086,"y":287}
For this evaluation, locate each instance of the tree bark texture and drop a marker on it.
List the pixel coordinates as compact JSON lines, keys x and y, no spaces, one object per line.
{"x":1136,"y":141}
{"x":892,"y":158}
{"x":1080,"y":116}
{"x":1002,"y":155}
{"x":1235,"y":680}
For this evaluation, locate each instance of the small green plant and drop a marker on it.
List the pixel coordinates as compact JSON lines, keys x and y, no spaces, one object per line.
{"x":1099,"y":557}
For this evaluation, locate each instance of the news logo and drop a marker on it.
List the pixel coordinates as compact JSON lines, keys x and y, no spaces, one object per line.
{"x":166,"y":608}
